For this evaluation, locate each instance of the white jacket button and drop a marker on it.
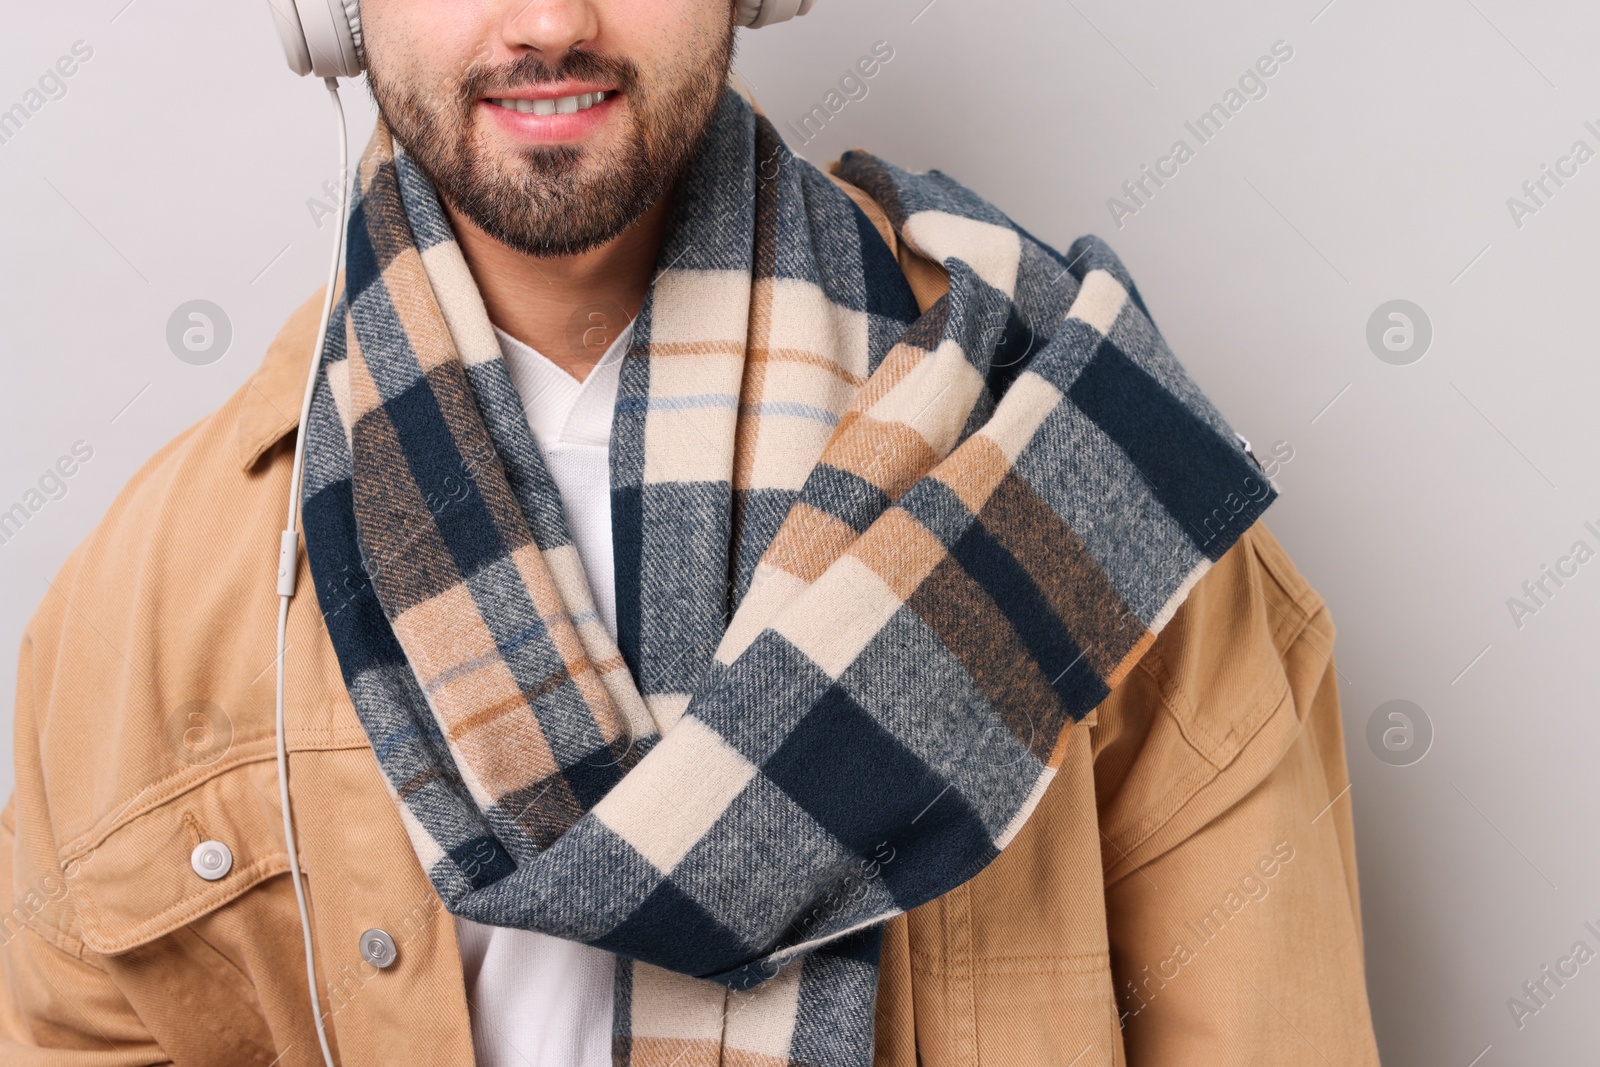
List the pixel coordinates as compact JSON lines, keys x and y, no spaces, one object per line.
{"x":377,"y":948}
{"x":211,"y":860}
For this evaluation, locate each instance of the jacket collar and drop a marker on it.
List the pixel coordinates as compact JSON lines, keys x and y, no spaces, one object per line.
{"x":270,"y":405}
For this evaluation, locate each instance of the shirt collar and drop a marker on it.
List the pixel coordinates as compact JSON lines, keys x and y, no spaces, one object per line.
{"x":560,"y":409}
{"x":270,"y":407}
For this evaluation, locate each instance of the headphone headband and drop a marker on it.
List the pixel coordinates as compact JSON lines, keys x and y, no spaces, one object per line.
{"x":323,"y":37}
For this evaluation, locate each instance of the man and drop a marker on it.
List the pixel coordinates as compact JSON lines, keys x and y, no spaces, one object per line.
{"x":761,"y":617}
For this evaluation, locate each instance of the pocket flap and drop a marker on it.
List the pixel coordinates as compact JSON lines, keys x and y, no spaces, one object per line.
{"x":139,"y":884}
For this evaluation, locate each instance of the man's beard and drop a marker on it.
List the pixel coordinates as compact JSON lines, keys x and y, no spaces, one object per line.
{"x":545,"y":201}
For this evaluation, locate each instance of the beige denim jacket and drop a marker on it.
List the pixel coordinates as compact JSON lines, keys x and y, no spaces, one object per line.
{"x":1184,"y":895}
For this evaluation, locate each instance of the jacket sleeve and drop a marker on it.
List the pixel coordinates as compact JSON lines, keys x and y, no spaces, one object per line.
{"x":1231,"y":897}
{"x":57,"y":1007}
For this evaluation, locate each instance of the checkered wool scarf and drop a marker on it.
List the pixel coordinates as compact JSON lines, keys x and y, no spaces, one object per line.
{"x":871,"y":565}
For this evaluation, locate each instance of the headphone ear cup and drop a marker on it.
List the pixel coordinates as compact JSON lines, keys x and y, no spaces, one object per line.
{"x":287,"y":21}
{"x":320,"y":37}
{"x":758,"y":13}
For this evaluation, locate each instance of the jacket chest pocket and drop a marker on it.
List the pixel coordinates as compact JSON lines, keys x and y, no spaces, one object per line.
{"x":167,"y":862}
{"x":973,"y":1008}
{"x":176,"y":897}
{"x":1013,"y":968}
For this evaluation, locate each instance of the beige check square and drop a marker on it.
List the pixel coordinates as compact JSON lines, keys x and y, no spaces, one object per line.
{"x":692,"y":763}
{"x":805,"y":320}
{"x":836,"y":618}
{"x":1099,"y":301}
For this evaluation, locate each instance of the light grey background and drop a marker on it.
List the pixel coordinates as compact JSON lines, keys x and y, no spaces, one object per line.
{"x":1378,"y":167}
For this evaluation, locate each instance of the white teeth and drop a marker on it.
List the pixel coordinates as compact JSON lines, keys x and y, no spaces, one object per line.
{"x":566,"y":105}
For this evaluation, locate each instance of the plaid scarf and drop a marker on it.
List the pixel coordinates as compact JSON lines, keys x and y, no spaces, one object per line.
{"x":871,"y":565}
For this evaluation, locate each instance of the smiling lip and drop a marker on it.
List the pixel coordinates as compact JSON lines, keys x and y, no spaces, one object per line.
{"x":556,"y":113}
{"x":552,"y":90}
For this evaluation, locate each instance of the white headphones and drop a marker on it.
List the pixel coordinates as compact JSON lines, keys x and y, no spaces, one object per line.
{"x":323,"y":37}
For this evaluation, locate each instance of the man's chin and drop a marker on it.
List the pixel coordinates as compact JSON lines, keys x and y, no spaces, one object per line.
{"x":579,"y":164}
{"x":547,"y":215}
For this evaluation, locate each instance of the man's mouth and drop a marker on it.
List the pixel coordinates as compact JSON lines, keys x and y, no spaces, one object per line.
{"x":560,"y":105}
{"x":550,"y":113}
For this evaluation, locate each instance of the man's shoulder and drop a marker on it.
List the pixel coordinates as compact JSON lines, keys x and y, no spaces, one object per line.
{"x":1226,"y":655}
{"x":1251,"y":633}
{"x":187,"y":502}
{"x":1215,"y":703}
{"x":170,"y":600}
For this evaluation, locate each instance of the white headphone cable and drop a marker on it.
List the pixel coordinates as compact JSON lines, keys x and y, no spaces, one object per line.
{"x":289,"y":561}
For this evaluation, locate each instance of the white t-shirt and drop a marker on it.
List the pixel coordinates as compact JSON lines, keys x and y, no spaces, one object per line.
{"x":536,"y":1000}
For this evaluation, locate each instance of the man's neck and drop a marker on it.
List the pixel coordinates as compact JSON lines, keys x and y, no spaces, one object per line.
{"x":567,"y":308}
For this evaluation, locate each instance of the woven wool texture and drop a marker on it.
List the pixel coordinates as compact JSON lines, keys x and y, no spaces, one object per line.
{"x":871,"y":566}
